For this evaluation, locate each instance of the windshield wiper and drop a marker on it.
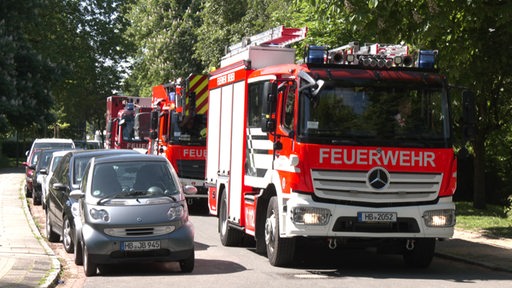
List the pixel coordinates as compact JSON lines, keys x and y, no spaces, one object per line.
{"x":104,"y":199}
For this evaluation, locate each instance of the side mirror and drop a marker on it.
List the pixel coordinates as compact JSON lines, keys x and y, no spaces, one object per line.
{"x":269,"y":95}
{"x":154,"y":120}
{"x":76,"y":194}
{"x":43,"y":171}
{"x":59,"y":187}
{"x":189,"y":189}
{"x":468,"y":114}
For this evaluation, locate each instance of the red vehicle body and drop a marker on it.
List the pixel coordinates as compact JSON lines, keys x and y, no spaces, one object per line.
{"x":127,"y":120}
{"x":178,"y":129}
{"x":353,"y":147}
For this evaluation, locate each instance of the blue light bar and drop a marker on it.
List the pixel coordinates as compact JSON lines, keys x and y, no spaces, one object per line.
{"x":427,"y":59}
{"x":316,"y":54}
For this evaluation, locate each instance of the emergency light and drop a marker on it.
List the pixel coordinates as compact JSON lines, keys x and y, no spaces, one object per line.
{"x":316,"y":54}
{"x":371,"y":55}
{"x":427,"y":59}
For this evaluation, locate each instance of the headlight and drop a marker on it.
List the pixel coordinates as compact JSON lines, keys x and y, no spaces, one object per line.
{"x":439,"y":218}
{"x":175,"y":212}
{"x":99,"y":214}
{"x":310,"y":215}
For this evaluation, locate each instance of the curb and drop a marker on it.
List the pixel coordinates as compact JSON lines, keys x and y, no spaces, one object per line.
{"x":53,"y":276}
{"x":473,"y":262}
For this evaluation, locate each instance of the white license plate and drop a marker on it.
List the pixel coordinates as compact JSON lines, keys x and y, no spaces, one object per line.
{"x":140,"y":245}
{"x":376,"y":216}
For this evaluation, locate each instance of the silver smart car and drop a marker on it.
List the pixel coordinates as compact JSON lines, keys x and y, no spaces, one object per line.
{"x":131,"y":208}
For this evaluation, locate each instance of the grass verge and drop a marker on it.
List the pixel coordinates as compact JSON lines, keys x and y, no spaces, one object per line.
{"x":492,"y":222}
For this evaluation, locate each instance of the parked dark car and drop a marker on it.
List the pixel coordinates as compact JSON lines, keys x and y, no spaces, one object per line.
{"x":67,"y":177}
{"x":132,"y":208}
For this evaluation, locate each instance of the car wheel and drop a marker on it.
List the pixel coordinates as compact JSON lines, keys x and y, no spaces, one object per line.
{"x":228,"y":235}
{"x":50,"y":234}
{"x":67,"y":241}
{"x":36,"y":197}
{"x":79,"y":260}
{"x":89,"y":266}
{"x":187,"y":265}
{"x":280,"y":251}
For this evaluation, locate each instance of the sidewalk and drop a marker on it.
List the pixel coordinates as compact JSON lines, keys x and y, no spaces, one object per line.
{"x":26,"y":260}
{"x":475,"y":249}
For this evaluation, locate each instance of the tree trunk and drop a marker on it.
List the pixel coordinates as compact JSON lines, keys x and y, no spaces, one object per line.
{"x":479,"y":197}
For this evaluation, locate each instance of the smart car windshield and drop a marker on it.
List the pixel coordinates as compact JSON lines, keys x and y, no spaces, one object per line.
{"x":133,"y":180}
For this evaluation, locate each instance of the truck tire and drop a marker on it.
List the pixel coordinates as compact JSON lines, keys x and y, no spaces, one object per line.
{"x":280,"y":251}
{"x":422,"y":253}
{"x":228,"y":235}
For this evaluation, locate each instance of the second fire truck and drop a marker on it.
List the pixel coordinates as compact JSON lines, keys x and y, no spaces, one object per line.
{"x":352,"y":146}
{"x":178,"y":129}
{"x":127,"y":122}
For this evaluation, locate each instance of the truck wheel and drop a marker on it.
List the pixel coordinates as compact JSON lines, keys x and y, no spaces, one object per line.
{"x":50,"y":234}
{"x":67,"y":240}
{"x":187,"y":265}
{"x":422,"y":253}
{"x":228,"y":235}
{"x":89,"y":266}
{"x":280,"y":251}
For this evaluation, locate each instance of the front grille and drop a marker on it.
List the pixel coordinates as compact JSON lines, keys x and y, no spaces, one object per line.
{"x":139,"y":231}
{"x":351,"y":224}
{"x":353,"y":186}
{"x":191,"y":169}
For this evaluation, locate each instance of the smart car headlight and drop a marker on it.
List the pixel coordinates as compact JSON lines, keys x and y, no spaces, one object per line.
{"x":99,"y":214}
{"x":176,"y":211}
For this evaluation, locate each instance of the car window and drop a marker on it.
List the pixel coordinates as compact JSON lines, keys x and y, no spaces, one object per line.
{"x":55,"y":162}
{"x":62,"y":169}
{"x":79,"y":167}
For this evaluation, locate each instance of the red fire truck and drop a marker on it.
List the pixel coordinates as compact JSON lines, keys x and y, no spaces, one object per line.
{"x":352,"y":146}
{"x":127,"y":122}
{"x":178,"y":129}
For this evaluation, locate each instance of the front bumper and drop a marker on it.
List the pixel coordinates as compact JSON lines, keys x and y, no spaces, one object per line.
{"x":343,"y":221}
{"x":105,"y":249}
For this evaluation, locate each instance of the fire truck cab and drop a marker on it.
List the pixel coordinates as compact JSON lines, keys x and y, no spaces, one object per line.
{"x":352,"y":146}
{"x":178,"y":129}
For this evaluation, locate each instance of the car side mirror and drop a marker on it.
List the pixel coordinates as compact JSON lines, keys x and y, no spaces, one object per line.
{"x":76,"y":194}
{"x":189,"y":189}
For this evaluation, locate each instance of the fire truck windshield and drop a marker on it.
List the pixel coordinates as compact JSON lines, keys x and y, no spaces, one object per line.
{"x":188,"y":129}
{"x":383,"y":113}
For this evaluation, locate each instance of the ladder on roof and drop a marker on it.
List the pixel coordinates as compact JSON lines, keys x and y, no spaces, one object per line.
{"x":279,"y":37}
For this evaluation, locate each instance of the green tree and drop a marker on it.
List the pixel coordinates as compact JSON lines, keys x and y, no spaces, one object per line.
{"x":225,"y":23}
{"x":163,"y":32}
{"x":26,"y":76}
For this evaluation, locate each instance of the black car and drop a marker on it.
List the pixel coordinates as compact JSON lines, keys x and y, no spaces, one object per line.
{"x":67,"y":177}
